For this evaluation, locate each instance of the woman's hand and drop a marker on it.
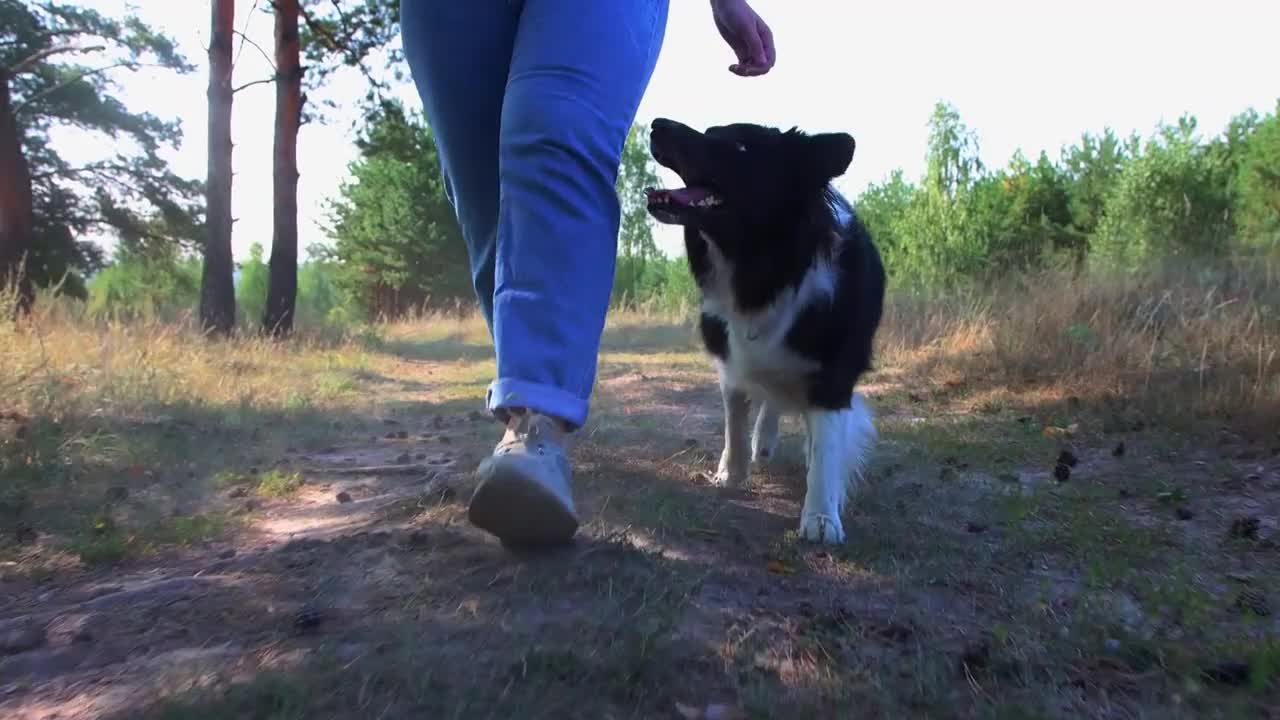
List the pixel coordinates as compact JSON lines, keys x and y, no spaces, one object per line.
{"x":747,"y":34}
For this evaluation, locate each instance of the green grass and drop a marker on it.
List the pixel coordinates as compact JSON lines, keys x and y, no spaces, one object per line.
{"x":106,"y":541}
{"x":277,"y":484}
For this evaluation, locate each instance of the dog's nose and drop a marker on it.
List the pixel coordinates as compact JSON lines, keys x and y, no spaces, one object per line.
{"x":666,"y":125}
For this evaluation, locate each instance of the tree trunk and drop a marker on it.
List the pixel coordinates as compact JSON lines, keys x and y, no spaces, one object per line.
{"x":282,"y":284}
{"x":217,"y":287}
{"x":15,"y":204}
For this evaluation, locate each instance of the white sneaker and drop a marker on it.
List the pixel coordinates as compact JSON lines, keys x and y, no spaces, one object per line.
{"x":524,"y":494}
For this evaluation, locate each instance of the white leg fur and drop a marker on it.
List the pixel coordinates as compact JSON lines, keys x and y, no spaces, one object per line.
{"x":764,"y":441}
{"x":839,"y":443}
{"x":735,"y":460}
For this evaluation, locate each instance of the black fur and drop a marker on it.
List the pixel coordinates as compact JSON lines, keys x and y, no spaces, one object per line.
{"x":778,"y":212}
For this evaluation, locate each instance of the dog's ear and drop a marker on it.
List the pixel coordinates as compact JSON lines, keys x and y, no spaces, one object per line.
{"x":829,"y":154}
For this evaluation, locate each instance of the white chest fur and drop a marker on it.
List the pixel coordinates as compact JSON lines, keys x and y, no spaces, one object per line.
{"x":759,"y":360}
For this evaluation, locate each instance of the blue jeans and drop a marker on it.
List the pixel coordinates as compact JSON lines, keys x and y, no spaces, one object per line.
{"x":530,"y":102}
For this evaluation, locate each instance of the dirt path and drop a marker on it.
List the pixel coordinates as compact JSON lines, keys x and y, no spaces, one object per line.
{"x":986,"y":574}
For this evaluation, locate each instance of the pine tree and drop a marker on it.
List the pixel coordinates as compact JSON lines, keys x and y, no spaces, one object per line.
{"x":57,"y":64}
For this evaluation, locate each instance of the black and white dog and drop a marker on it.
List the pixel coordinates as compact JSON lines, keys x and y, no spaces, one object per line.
{"x":792,"y":294}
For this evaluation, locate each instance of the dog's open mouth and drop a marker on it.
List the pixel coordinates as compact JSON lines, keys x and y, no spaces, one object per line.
{"x":675,"y":147}
{"x":696,"y":197}
{"x":670,"y":205}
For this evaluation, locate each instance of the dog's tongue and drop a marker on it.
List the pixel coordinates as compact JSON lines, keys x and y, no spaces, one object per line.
{"x":689,"y":196}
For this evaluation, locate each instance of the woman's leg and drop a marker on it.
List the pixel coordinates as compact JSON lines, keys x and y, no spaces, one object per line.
{"x":459,"y":54}
{"x":578,"y":72}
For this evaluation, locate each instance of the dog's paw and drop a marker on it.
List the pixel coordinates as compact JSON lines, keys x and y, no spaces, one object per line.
{"x":763,"y":449}
{"x":731,"y":473}
{"x":821,"y":528}
{"x":726,"y":479}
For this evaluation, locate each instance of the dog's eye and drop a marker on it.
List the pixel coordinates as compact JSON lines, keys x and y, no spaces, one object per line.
{"x":741,"y":147}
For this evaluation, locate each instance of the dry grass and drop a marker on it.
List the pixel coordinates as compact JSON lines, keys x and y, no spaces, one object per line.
{"x":61,"y":364}
{"x":1181,"y":344}
{"x":1198,"y":341}
{"x":58,"y":364}
{"x":111,"y":403}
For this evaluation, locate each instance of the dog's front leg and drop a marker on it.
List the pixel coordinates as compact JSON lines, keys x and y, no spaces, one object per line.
{"x":825,"y":478}
{"x":764,"y":441}
{"x":736,"y":458}
{"x":839,"y":444}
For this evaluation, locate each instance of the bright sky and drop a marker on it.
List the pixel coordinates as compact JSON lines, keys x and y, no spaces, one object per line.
{"x":1029,"y":75}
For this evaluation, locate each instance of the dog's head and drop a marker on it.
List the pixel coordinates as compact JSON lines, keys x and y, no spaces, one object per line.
{"x":742,"y":175}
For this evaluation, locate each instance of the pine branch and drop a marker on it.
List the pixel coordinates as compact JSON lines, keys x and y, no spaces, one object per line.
{"x":344,"y":20}
{"x":245,"y":39}
{"x":342,"y":46}
{"x":88,"y":73}
{"x":250,"y":84}
{"x":323,"y":33}
{"x":42,"y":55}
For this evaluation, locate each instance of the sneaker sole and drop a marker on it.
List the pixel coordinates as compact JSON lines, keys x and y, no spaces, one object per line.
{"x":518,"y":510}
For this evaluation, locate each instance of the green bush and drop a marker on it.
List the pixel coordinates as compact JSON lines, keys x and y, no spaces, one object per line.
{"x":145,"y":286}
